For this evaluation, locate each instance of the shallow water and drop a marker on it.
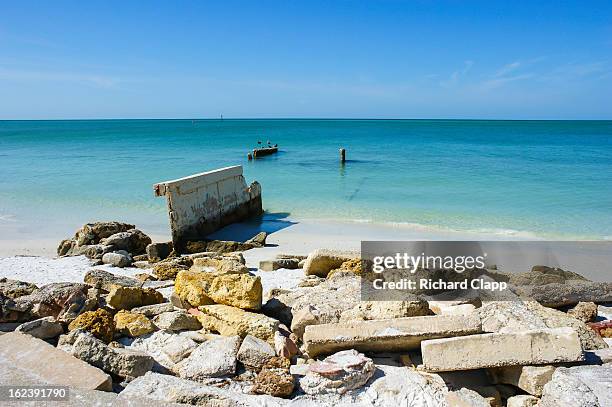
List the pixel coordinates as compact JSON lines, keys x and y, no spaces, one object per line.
{"x":525,"y":178}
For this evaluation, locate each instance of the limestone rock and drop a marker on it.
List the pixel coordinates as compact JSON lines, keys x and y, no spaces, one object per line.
{"x":557,"y":295}
{"x":177,"y":321}
{"x":541,"y":275}
{"x":275,"y":379}
{"x":254,"y":352}
{"x":132,"y":324}
{"x":132,"y":241}
{"x":132,"y":297}
{"x":14,"y":288}
{"x":154,"y":309}
{"x":168,"y":269}
{"x":220,"y":265}
{"x":213,"y":358}
{"x":99,"y":323}
{"x":352,"y":266}
{"x":579,"y":386}
{"x":259,"y":240}
{"x":158,"y":251}
{"x":322,"y":261}
{"x":202,"y":288}
{"x":584,"y":311}
{"x":43,"y":328}
{"x":271,"y":265}
{"x":121,"y":362}
{"x":230,"y":321}
{"x":86,"y":240}
{"x":192,"y":287}
{"x":238,"y":290}
{"x":117,"y":259}
{"x":63,"y":301}
{"x":107,"y":281}
{"x":465,"y":397}
{"x":338,"y":373}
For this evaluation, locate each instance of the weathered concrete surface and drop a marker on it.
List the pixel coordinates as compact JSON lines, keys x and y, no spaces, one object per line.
{"x":203,"y":203}
{"x":529,"y":378}
{"x":502,"y":349}
{"x":389,"y":335}
{"x":26,"y":354}
{"x":580,"y":386}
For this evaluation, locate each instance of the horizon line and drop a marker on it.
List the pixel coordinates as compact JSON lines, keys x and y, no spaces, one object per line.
{"x":292,"y":118}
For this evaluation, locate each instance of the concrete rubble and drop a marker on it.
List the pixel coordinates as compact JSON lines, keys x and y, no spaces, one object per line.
{"x":198,"y":328}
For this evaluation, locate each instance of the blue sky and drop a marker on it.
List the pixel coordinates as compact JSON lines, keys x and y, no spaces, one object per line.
{"x":373,"y":59}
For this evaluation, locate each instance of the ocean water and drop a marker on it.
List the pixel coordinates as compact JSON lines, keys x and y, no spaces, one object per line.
{"x":549,"y":179}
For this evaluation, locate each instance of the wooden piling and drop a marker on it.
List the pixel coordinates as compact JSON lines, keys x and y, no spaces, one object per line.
{"x":342,"y":155}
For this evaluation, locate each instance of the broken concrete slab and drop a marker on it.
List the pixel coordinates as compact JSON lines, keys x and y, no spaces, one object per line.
{"x":501,"y":349}
{"x":321,"y":261}
{"x":25,"y":353}
{"x":204,"y":203}
{"x":529,"y":378}
{"x":43,"y":328}
{"x":389,"y":335}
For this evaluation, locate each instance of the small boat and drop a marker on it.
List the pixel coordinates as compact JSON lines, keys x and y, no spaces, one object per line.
{"x":260,"y":152}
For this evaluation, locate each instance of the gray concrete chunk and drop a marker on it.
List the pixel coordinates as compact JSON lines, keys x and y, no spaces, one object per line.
{"x":389,"y":335}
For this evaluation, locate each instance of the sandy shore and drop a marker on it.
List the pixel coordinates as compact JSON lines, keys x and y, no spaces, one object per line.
{"x":301,"y":237}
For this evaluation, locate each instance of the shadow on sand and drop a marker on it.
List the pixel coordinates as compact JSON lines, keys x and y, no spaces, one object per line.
{"x":268,"y":222}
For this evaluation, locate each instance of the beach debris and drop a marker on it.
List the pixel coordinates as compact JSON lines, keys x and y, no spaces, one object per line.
{"x":131,"y":297}
{"x":201,"y":365}
{"x":338,"y":373}
{"x":23,"y":358}
{"x":274,"y":378}
{"x":230,"y":321}
{"x":394,"y":335}
{"x":255,"y":352}
{"x":63,"y":301}
{"x":132,"y":324}
{"x":99,"y":323}
{"x":522,"y":400}
{"x":579,"y":386}
{"x":204,"y":203}
{"x":42,"y":328}
{"x":522,"y":348}
{"x":603,"y":328}
{"x":370,"y":310}
{"x":177,"y":321}
{"x":125,"y":363}
{"x":321,"y":261}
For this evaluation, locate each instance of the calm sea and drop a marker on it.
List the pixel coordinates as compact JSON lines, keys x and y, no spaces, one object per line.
{"x":542,"y":178}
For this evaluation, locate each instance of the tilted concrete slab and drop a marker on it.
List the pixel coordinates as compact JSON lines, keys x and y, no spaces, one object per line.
{"x":388,"y":335}
{"x":203,"y":203}
{"x":34,"y":361}
{"x":502,"y":349}
{"x":529,"y":378}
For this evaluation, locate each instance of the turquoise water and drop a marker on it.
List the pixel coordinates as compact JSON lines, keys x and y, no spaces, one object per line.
{"x":543,"y":178}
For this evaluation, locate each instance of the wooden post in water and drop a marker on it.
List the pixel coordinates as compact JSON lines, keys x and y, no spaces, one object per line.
{"x":342,"y":155}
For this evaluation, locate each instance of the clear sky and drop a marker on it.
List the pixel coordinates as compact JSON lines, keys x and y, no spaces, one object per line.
{"x":370,"y":59}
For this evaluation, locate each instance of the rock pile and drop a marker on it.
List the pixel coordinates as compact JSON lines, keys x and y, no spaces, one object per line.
{"x":209,"y":335}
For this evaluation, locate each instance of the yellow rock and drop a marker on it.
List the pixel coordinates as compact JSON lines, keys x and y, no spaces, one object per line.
{"x":351,"y":266}
{"x":131,"y":297}
{"x":223,"y":265}
{"x":99,"y":323}
{"x":205,"y":288}
{"x":132,"y":324}
{"x":230,"y":321}
{"x":167,"y":270}
{"x":192,"y":287}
